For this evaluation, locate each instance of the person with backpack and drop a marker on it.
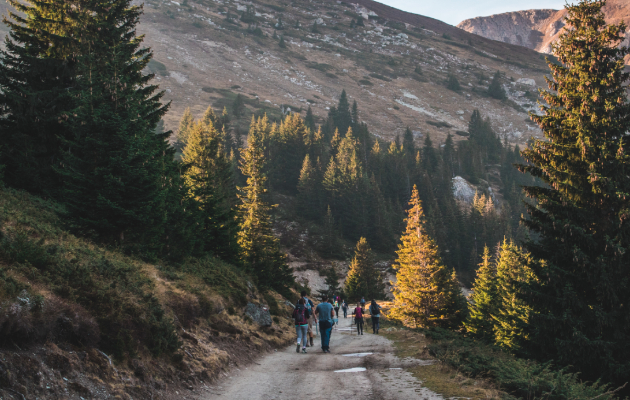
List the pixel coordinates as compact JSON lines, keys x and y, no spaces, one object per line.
{"x":363,"y":303}
{"x":358,"y":318}
{"x":344,"y":307}
{"x":308,"y":303}
{"x":325,"y":312}
{"x":336,"y":306}
{"x":375,"y":312}
{"x":300,"y":315}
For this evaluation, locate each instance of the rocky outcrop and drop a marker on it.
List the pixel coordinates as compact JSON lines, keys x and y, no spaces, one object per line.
{"x":536,"y":29}
{"x":520,"y":28}
{"x":259,"y":314}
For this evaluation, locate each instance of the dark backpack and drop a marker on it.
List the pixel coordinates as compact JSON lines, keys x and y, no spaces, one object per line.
{"x":300,"y":318}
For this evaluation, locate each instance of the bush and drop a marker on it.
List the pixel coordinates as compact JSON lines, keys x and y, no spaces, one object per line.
{"x":520,"y":378}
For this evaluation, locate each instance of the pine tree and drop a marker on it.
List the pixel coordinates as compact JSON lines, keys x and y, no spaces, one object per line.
{"x":238,"y":106}
{"x":260,"y":249}
{"x":343,"y":117}
{"x":363,"y":278}
{"x":308,"y":192}
{"x":309,"y":120}
{"x":512,"y":314}
{"x":37,"y":90}
{"x":495,"y":90}
{"x":582,"y":294}
{"x":426,"y":293}
{"x":185,"y":125}
{"x":485,"y":300}
{"x":282,"y":44}
{"x":453,"y":84}
{"x":209,"y":179}
{"x":114,"y":165}
{"x":332,"y":284}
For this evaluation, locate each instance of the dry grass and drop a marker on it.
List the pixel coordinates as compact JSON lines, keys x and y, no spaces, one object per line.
{"x":438,"y":377}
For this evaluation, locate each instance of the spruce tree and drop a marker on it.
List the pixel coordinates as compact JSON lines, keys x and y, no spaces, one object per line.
{"x":484,"y":298}
{"x":582,"y":293}
{"x":332,"y":283}
{"x":114,"y":165}
{"x":210,"y":182}
{"x":453,"y":84}
{"x":37,"y":89}
{"x":238,"y":106}
{"x":495,"y":90}
{"x":364,"y":280}
{"x":512,"y":315}
{"x":183,"y":131}
{"x":307,"y":199}
{"x":260,"y":250}
{"x":309,"y":120}
{"x":426,"y":292}
{"x":282,"y":44}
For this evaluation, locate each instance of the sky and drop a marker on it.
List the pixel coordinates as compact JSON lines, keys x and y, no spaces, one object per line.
{"x":454,"y":11}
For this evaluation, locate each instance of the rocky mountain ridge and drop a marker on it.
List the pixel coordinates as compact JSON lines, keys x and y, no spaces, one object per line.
{"x":537,"y":29}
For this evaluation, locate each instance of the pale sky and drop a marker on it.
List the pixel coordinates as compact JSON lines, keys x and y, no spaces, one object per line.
{"x":454,"y":11}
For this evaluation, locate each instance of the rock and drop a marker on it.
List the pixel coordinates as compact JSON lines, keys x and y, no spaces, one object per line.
{"x":526,"y":81}
{"x":463,"y":190}
{"x":258,"y":314}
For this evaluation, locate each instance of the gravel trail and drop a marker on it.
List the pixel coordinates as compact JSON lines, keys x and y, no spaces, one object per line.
{"x":287,"y":375}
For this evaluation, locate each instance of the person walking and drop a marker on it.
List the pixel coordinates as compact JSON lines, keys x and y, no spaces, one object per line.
{"x":363,"y":303}
{"x":308,"y":303}
{"x":375,"y":312}
{"x":324,"y":312}
{"x":336,"y":316}
{"x":344,"y":308}
{"x":300,"y":316}
{"x":358,"y":318}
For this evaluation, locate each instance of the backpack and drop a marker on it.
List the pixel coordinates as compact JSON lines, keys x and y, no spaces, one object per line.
{"x":298,"y":315}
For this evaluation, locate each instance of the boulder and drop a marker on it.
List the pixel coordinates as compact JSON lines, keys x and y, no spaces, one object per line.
{"x":259,"y":314}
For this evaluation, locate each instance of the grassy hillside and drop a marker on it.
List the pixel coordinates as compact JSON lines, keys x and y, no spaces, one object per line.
{"x":56,"y":288}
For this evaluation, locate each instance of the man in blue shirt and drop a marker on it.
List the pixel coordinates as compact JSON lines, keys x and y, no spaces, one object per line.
{"x":325,"y":313}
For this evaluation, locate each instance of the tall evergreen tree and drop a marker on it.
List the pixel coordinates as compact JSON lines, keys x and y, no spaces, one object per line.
{"x":426,"y":292}
{"x":582,"y":293}
{"x":260,"y":249}
{"x":484,"y":303}
{"x":186,"y":124}
{"x":211,"y":184}
{"x":363,"y":278}
{"x":332,"y":283}
{"x":113,"y":166}
{"x":512,"y":315}
{"x":37,"y":89}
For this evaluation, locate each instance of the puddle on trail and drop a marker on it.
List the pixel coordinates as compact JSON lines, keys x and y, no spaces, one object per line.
{"x":355,"y":369}
{"x":357,"y":355}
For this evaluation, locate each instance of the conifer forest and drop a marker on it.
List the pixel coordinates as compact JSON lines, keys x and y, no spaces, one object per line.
{"x":82,"y":135}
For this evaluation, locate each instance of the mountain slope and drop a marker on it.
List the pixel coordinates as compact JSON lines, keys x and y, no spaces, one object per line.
{"x":536,"y":29}
{"x":206,"y":55}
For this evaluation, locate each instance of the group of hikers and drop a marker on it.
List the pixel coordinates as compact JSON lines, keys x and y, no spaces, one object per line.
{"x":325,"y":316}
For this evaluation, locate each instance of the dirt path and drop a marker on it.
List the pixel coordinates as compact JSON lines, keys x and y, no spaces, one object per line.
{"x":287,"y":375}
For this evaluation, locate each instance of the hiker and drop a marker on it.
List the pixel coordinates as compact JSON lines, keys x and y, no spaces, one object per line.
{"x":358,"y":318}
{"x":375,"y":312}
{"x":308,"y":303}
{"x":344,"y":307}
{"x":363,"y":303}
{"x":336,"y":316}
{"x":324,"y":312}
{"x":300,"y":315}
